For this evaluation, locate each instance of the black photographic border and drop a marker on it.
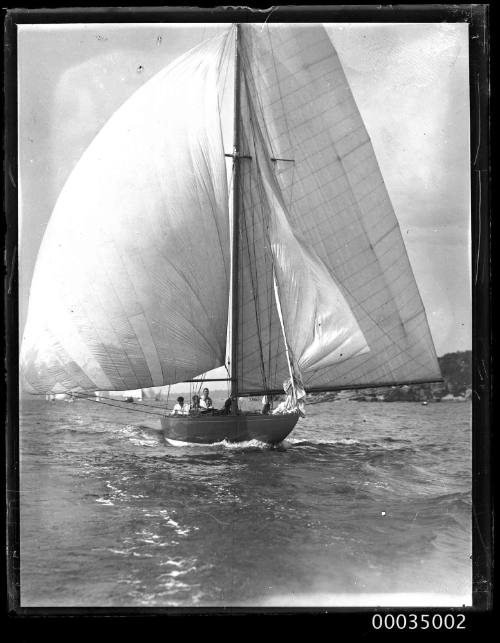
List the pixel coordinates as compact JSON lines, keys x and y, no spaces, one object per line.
{"x":478,"y":18}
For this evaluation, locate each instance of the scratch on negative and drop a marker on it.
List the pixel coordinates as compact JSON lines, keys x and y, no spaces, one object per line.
{"x":12,"y":265}
{"x":479,"y":231}
{"x":478,"y":120}
{"x":271,"y":10}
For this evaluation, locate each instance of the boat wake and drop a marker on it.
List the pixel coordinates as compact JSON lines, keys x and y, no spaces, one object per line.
{"x":309,"y":442}
{"x":226,"y":444}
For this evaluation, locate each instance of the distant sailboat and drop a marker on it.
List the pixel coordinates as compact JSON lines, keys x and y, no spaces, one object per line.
{"x":310,"y":256}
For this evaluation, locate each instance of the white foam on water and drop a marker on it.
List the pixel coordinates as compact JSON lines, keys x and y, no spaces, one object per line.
{"x":144,"y":443}
{"x":126,"y":430}
{"x":135,"y":553}
{"x":176,"y":572}
{"x":180,"y":443}
{"x":299,"y":441}
{"x":248,"y":444}
{"x":171,"y":561}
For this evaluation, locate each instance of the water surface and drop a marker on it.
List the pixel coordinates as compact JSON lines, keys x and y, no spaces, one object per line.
{"x":364,"y":502}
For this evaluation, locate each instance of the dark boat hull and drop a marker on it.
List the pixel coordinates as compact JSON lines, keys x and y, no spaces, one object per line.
{"x":216,"y":428}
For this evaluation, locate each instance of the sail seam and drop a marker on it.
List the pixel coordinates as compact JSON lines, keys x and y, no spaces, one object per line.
{"x":355,"y":204}
{"x":364,"y":235}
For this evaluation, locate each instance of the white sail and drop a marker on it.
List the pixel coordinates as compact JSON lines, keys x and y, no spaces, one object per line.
{"x":337,"y":202}
{"x":131,"y":284}
{"x":262,"y":363}
{"x":319,"y":325}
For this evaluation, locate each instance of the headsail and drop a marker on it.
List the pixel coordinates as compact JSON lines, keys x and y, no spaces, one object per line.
{"x":319,"y":325}
{"x":337,"y":202}
{"x":124,"y":294}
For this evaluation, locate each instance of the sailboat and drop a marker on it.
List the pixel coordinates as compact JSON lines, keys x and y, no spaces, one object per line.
{"x":156,"y":267}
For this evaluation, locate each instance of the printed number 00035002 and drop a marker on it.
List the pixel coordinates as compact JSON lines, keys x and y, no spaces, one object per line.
{"x":418,"y":621}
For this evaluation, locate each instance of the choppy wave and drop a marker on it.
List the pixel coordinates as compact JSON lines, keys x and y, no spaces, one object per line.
{"x":354,"y":503}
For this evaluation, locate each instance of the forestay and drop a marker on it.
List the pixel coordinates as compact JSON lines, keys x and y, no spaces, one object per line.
{"x":338,"y":204}
{"x":125,"y":295}
{"x":320,"y":328}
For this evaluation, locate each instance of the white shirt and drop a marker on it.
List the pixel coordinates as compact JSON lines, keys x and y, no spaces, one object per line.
{"x":180,"y":410}
{"x":204,"y":404}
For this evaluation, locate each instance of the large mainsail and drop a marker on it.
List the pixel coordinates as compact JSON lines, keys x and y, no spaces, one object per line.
{"x":337,"y":202}
{"x":131,"y":283}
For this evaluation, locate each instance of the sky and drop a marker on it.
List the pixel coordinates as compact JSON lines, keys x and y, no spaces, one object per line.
{"x":410,"y":82}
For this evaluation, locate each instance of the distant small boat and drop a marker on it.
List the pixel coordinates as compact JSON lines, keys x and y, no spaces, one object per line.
{"x":145,"y":247}
{"x":424,"y":403}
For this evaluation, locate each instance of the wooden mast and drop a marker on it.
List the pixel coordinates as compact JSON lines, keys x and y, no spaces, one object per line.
{"x":235,"y":228}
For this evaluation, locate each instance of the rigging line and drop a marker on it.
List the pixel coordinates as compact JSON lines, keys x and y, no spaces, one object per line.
{"x":315,"y":177}
{"x":289,"y":354}
{"x":105,"y":402}
{"x":279,"y":91}
{"x":362,"y":307}
{"x":137,"y":403}
{"x":271,"y":301}
{"x":86,"y":397}
{"x":258,"y":311}
{"x":292,"y":183}
{"x":256,"y":130}
{"x":269,"y":257}
{"x":265,"y":225}
{"x":168,"y":397}
{"x":254,"y":289}
{"x":228,"y":384}
{"x":278,"y":353}
{"x":253,"y":292}
{"x":277,"y":301}
{"x":254,"y":94}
